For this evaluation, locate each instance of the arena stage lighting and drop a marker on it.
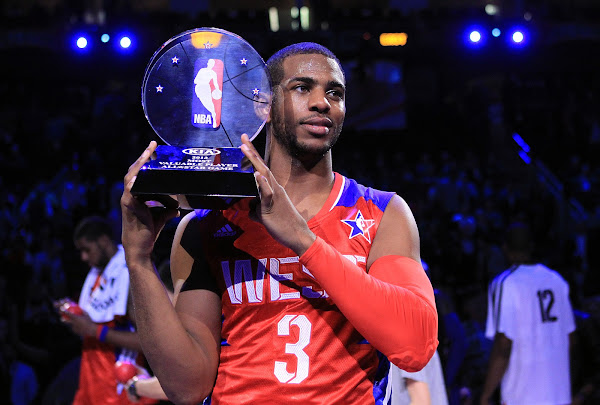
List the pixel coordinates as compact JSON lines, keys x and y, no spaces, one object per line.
{"x":475,"y":36}
{"x":81,"y":42}
{"x":125,"y":42}
{"x":518,"y":37}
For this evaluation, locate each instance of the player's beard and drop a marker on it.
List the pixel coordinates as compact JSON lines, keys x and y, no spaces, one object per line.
{"x":286,"y":136}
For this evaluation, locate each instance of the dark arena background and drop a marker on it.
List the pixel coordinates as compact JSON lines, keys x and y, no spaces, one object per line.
{"x":478,"y":113}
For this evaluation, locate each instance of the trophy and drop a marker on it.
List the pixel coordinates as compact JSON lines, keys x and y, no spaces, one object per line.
{"x":202,"y":90}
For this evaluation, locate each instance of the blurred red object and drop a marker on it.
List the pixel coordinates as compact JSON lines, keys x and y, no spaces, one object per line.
{"x":125,"y":371}
{"x":71,"y":307}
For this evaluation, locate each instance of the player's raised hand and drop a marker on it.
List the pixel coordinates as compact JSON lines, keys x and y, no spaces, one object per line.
{"x":141,"y":225}
{"x":276,"y":211}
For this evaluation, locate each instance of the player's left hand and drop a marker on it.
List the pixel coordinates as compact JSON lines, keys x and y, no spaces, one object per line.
{"x":141,"y":224}
{"x":276,"y":211}
{"x":80,"y":324}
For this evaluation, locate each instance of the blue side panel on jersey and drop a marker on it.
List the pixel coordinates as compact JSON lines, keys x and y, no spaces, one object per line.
{"x":353,"y":191}
{"x":381,"y":380}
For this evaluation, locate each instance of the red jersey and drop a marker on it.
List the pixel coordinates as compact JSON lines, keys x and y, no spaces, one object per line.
{"x":283,"y":339}
{"x":97,"y":377}
{"x":104,"y":297}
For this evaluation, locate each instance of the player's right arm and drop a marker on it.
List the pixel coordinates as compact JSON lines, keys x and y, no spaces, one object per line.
{"x":498,"y":363}
{"x":181,"y":344}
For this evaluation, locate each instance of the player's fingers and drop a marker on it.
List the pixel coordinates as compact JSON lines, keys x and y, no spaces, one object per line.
{"x":254,"y":157}
{"x":59,"y":303}
{"x":67,"y":316}
{"x":265,"y":191}
{"x":129,"y":183}
{"x":136,"y":166}
{"x":161,"y":216}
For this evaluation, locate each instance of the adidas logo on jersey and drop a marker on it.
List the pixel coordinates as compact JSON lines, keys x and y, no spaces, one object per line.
{"x":224,"y":231}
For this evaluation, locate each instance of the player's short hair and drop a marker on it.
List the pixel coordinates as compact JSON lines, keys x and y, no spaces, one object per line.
{"x":519,"y":237}
{"x":275,"y":62}
{"x":92,"y":228}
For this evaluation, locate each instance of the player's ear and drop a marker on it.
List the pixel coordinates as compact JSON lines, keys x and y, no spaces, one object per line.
{"x":262,"y":106}
{"x":104,"y":241}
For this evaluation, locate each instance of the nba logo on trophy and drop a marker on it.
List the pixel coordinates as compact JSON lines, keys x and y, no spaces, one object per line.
{"x":208,"y":90}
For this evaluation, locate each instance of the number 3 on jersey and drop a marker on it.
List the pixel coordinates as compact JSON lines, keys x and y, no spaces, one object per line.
{"x":283,"y":329}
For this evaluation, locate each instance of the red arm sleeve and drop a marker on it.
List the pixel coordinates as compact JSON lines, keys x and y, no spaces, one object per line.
{"x":393,"y":306}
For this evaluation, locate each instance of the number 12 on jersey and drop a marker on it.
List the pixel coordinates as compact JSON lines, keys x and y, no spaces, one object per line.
{"x":546,"y":298}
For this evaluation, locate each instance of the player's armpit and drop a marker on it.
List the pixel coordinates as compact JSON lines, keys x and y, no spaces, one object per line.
{"x":393,"y":306}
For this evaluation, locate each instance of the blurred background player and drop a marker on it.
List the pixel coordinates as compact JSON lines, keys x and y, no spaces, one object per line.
{"x":425,"y":387}
{"x":104,"y":322}
{"x":531,"y":321}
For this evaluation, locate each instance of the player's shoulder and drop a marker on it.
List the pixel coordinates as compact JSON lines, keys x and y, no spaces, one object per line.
{"x":524,"y":276}
{"x":351,"y":191}
{"x":192,"y":229}
{"x":192,"y":220}
{"x":501,"y":279}
{"x":203,"y":228}
{"x":200,"y":219}
{"x":552,"y":274}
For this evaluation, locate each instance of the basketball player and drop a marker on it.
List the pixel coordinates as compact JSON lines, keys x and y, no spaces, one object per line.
{"x":531,"y":321}
{"x":424,"y":387}
{"x":288,"y":299}
{"x":105,"y":327}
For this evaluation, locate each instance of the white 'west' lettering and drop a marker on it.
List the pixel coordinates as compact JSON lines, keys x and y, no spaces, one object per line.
{"x":276,"y":276}
{"x":243,"y":269}
{"x":280,"y":270}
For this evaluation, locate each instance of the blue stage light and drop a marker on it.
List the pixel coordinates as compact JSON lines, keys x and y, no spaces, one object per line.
{"x":521,"y":142}
{"x":525,"y":157}
{"x":125,"y":42}
{"x":475,"y":36}
{"x":496,"y":32}
{"x":518,"y":37}
{"x":81,"y":42}
{"x":105,"y":38}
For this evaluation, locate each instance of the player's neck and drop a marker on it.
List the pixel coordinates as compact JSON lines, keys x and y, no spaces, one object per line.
{"x":521,"y":258}
{"x":307,"y":183}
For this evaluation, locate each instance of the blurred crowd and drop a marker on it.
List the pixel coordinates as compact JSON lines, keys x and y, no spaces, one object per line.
{"x":65,"y":147}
